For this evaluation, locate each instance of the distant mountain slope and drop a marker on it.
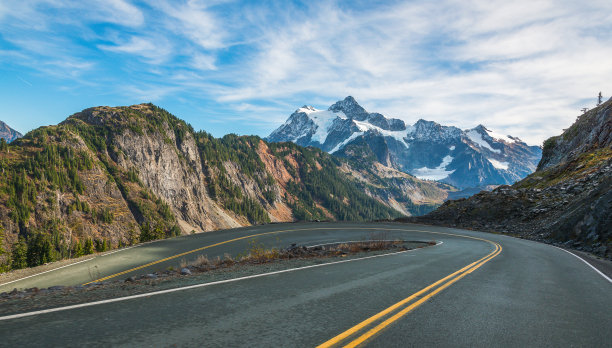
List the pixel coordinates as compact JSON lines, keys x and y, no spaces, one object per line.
{"x":112,"y":176}
{"x":472,"y":158}
{"x":567,"y":200}
{"x":8,"y":133}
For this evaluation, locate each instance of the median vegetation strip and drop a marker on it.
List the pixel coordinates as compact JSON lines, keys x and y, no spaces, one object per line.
{"x":256,"y":260}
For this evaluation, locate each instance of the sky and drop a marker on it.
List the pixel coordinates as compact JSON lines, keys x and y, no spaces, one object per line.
{"x":523,"y":68}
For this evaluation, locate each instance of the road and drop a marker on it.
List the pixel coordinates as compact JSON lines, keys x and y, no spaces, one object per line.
{"x":508,"y":292}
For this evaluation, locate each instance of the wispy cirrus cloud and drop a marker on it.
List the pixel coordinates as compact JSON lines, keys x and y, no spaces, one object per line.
{"x":523,"y":67}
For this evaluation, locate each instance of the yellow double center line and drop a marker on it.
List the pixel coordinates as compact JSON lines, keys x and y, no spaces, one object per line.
{"x":406,"y":305}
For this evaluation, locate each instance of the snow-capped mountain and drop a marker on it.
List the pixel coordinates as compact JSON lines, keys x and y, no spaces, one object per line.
{"x":464,"y":158}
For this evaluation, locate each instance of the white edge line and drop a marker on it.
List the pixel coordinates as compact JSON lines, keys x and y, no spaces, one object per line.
{"x":51,"y":270}
{"x":72,"y":264}
{"x":366,"y":241}
{"x":125,"y":298}
{"x":588,"y":264}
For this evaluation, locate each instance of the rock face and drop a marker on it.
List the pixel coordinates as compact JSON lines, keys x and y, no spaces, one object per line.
{"x":568,"y":200}
{"x":463,"y":158}
{"x":8,"y":133}
{"x":113,"y":176}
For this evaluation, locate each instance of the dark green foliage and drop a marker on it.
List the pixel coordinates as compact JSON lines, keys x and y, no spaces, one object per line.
{"x":253,"y":211}
{"x":78,"y":251}
{"x":148,"y":233}
{"x":54,"y":167}
{"x":105,"y":215}
{"x":102,"y":245}
{"x":239,"y":150}
{"x":132,"y":175}
{"x":79,"y":206}
{"x":20,"y":256}
{"x":270,"y":196}
{"x":89,"y":247}
{"x":39,"y":250}
{"x":22,"y":196}
{"x":327,"y":187}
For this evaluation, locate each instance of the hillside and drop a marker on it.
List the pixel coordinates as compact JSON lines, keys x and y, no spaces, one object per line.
{"x":567,"y":200}
{"x":113,"y":176}
{"x":466,"y":159}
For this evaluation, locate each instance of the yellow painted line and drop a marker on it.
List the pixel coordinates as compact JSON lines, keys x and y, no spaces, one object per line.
{"x":361,"y":339}
{"x":449,"y":281}
{"x":383,"y":313}
{"x":179,"y":255}
{"x":262,"y":234}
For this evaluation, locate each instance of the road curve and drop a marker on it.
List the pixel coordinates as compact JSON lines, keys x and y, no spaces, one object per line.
{"x":508,"y":292}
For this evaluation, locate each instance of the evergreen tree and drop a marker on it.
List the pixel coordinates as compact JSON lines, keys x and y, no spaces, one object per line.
{"x":89,"y":247}
{"x":19,"y":259}
{"x":78,"y":249}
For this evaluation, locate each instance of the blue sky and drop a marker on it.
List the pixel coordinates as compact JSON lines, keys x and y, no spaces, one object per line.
{"x":523,"y":68}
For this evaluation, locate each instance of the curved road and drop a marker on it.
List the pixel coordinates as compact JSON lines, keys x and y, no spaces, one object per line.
{"x":475,"y":289}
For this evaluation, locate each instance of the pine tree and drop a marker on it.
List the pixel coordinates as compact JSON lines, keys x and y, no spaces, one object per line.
{"x":599,"y":98}
{"x":20,"y":257}
{"x":89,"y":248}
{"x":78,"y":249}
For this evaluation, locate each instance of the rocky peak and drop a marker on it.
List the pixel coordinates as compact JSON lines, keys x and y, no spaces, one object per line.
{"x":8,"y":133}
{"x":434,"y":131}
{"x":481,"y":129}
{"x":306,"y":109}
{"x":382,"y":122}
{"x":351,"y":109}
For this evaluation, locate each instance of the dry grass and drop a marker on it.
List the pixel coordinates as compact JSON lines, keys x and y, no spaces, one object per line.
{"x":258,"y":253}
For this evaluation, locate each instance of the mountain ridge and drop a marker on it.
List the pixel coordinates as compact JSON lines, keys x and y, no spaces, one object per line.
{"x":107,"y":177}
{"x":469,"y":158}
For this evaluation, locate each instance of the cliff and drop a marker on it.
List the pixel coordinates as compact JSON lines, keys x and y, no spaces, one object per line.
{"x":113,"y":176}
{"x":567,"y":201}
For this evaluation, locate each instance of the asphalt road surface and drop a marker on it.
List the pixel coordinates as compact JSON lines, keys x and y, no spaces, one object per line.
{"x":473,"y":290}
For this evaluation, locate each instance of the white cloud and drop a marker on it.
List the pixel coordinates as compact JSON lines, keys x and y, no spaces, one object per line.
{"x":521,"y":67}
{"x":193,"y":20}
{"x":155,"y":50}
{"x":463,"y":63}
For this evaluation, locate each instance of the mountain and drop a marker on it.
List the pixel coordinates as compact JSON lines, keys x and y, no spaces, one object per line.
{"x":463,"y":158}
{"x":8,"y":133}
{"x":113,"y":176}
{"x":568,"y":200}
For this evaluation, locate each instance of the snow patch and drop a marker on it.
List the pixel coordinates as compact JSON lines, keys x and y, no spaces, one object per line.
{"x":477,"y":138}
{"x":499,"y":165}
{"x":397,"y":135}
{"x":498,"y":136}
{"x":323,"y":119}
{"x":346,"y":141}
{"x":437,"y":173}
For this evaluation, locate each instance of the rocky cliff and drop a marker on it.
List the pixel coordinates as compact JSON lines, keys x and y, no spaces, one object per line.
{"x":8,"y":133}
{"x":568,"y":200}
{"x":113,"y":176}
